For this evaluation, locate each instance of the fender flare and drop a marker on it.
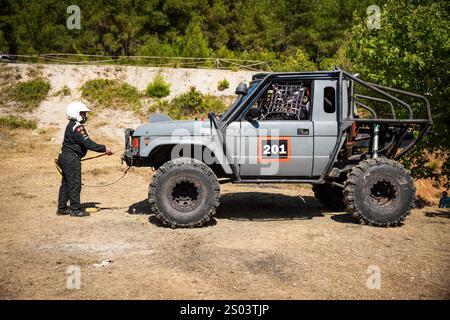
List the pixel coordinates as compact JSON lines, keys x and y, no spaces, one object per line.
{"x":209,"y":144}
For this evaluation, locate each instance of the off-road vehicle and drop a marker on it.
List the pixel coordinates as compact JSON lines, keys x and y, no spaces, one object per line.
{"x":329,"y":129}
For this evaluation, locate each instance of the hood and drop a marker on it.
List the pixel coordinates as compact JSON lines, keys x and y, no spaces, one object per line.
{"x":166,"y":127}
{"x":158,"y":117}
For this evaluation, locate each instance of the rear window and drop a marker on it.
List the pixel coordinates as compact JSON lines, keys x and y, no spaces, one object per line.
{"x":329,"y":100}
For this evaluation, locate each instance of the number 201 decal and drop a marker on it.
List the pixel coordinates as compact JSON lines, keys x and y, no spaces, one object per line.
{"x":274,"y":149}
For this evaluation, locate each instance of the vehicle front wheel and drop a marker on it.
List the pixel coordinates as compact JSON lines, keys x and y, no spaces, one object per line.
{"x":184,"y":192}
{"x":379,"y":192}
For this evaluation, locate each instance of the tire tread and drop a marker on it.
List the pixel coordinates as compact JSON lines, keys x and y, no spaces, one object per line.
{"x":180,"y":162}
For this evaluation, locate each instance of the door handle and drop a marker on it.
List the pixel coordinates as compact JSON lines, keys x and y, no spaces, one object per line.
{"x":302,"y":132}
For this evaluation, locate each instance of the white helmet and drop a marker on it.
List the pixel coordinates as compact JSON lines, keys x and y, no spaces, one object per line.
{"x":73,"y":111}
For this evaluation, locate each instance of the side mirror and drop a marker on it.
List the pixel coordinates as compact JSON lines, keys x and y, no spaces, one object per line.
{"x":241,"y":89}
{"x":253,"y":114}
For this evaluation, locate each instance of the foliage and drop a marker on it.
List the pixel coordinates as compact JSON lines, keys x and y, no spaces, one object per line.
{"x":64,"y":91}
{"x":410,"y":51}
{"x":112,"y":94}
{"x":158,"y":88}
{"x":190,"y":28}
{"x":298,"y":61}
{"x":193,"y":44}
{"x":159,"y":106}
{"x":223,"y":84}
{"x":28,"y":94}
{"x":14,"y":122}
{"x":194,"y":104}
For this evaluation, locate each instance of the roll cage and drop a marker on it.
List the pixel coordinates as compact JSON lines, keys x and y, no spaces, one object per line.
{"x":348,"y":124}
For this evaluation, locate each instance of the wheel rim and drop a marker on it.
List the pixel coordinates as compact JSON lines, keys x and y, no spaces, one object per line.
{"x":184,"y":194}
{"x":382,"y":192}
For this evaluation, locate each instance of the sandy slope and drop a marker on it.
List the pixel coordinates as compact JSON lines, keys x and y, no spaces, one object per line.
{"x":73,"y":76}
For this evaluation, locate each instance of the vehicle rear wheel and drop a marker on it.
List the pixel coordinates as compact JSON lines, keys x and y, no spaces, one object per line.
{"x":330,"y":196}
{"x":184,"y":192}
{"x":379,"y":192}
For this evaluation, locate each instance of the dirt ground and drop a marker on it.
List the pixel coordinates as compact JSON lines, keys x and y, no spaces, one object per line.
{"x":264,"y":243}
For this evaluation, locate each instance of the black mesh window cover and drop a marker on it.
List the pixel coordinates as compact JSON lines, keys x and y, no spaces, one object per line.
{"x":286,"y":100}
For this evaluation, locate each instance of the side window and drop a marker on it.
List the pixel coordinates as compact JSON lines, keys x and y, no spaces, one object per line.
{"x":286,"y":101}
{"x":329,"y":100}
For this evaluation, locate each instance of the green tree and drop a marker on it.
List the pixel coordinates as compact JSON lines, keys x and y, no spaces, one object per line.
{"x":411,"y":51}
{"x":297,"y":61}
{"x":3,"y":43}
{"x":194,"y":44}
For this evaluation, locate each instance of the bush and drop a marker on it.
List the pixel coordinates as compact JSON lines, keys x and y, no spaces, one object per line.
{"x":112,"y":94}
{"x":186,"y":104}
{"x":14,"y":122}
{"x":158,"y":88}
{"x":223,"y":84}
{"x":296,"y":61}
{"x":28,"y":94}
{"x":193,"y":103}
{"x":213,"y":104}
{"x":65,"y":91}
{"x":159,"y":106}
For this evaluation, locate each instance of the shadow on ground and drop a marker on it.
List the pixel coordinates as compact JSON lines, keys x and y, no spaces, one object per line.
{"x":438,"y":214}
{"x":264,"y":206}
{"x":141,"y":207}
{"x":257,"y":206}
{"x":97,"y":205}
{"x":85,"y":205}
{"x":344,"y":218}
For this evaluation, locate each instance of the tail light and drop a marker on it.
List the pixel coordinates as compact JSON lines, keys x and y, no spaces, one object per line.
{"x":135,"y":142}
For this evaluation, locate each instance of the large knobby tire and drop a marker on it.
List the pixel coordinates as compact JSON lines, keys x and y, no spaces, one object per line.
{"x":184,"y":192}
{"x":330,"y":196}
{"x":379,"y":192}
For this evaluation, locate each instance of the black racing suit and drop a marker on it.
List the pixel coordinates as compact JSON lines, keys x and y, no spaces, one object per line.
{"x":75,"y":146}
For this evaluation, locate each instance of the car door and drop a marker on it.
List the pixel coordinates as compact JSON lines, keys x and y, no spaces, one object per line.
{"x":278,"y":148}
{"x":324,"y":115}
{"x":278,"y":142}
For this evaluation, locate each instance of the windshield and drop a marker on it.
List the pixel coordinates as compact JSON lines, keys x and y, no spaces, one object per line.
{"x":237,"y":102}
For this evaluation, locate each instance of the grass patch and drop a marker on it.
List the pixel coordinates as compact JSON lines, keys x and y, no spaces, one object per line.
{"x":28,"y":95}
{"x":14,"y":122}
{"x":105,"y":93}
{"x":34,"y":71}
{"x":63,"y":92}
{"x":194,"y":104}
{"x":158,"y":88}
{"x":223,"y":84}
{"x":9,"y":74}
{"x":160,"y":106}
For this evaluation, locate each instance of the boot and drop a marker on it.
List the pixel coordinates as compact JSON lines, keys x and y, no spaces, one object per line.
{"x":63,"y":212}
{"x":79,"y":213}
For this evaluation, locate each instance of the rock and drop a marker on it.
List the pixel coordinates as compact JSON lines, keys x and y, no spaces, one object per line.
{"x":104,"y":263}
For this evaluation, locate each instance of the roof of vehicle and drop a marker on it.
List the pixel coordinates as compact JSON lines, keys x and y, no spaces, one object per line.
{"x":294,"y":75}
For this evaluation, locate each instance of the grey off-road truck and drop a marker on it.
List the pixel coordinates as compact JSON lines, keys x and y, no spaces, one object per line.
{"x":329,"y":129}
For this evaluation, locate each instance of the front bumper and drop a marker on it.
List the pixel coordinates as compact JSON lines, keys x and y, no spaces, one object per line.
{"x":127,"y":157}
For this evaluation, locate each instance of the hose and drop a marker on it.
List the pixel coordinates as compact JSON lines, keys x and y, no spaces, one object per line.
{"x":59,"y":169}
{"x":108,"y":184}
